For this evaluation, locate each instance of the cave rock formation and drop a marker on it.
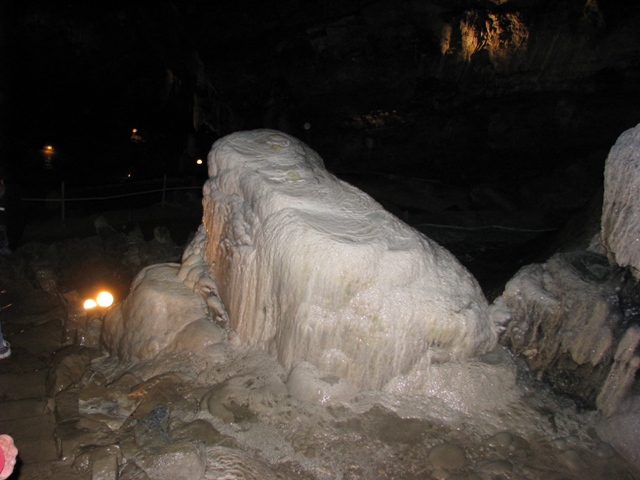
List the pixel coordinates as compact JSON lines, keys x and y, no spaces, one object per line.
{"x":309,"y":268}
{"x":160,"y":313}
{"x":621,"y":208}
{"x":576,"y":318}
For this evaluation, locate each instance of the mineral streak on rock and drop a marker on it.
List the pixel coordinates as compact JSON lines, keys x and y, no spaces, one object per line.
{"x":312,"y":269}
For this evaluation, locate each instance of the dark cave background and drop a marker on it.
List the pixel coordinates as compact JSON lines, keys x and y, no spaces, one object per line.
{"x":484,"y":123}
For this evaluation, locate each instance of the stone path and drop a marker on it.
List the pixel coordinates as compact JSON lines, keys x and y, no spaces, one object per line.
{"x":34,"y":327}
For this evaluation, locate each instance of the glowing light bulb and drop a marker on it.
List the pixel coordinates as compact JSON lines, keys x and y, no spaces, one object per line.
{"x":89,"y":304}
{"x":104,"y":299}
{"x":199,"y":161}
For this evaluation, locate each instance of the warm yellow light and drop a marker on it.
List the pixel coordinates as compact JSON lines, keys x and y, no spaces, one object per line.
{"x":199,"y":161}
{"x":89,"y":304}
{"x":135,"y":130}
{"x":104,"y":299}
{"x":48,"y":147}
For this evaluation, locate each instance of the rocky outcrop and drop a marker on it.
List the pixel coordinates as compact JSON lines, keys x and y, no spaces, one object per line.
{"x":574,"y":320}
{"x":310,"y":268}
{"x":576,"y":317}
{"x":160,"y":313}
{"x":621,"y":210}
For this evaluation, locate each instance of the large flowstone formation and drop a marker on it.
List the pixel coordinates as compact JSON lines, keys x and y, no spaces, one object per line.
{"x":621,"y":209}
{"x":309,"y":268}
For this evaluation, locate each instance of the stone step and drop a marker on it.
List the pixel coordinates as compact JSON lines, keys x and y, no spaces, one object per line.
{"x":16,"y":386}
{"x":24,"y":408}
{"x":36,"y":450}
{"x":33,"y":436}
{"x":30,"y":427}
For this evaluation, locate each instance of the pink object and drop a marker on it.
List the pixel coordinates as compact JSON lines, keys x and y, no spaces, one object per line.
{"x":8,"y":454}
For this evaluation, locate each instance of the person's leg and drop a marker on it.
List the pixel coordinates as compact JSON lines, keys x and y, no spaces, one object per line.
{"x":4,"y":241}
{"x":5,"y":348}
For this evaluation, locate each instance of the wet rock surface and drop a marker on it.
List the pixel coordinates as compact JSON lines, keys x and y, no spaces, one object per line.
{"x":621,"y":209}
{"x":227,"y":414}
{"x":312,"y":269}
{"x":572,"y":319}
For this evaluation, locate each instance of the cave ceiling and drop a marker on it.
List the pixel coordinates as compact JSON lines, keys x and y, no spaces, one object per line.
{"x":462,"y":91}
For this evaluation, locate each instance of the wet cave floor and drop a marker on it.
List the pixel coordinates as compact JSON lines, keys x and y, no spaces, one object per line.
{"x":75,"y":412}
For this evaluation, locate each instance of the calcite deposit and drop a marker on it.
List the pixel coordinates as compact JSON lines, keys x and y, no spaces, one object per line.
{"x":309,"y":268}
{"x":621,"y":208}
{"x":159,"y":313}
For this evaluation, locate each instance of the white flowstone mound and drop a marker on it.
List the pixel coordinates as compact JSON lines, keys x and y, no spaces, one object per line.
{"x":160,"y":313}
{"x":620,"y":233}
{"x":312,"y":269}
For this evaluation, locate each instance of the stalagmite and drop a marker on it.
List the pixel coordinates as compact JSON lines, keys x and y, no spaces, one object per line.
{"x":309,"y":268}
{"x":621,"y":208}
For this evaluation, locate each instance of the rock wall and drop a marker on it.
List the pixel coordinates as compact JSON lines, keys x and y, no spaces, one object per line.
{"x":576,"y":318}
{"x":572,"y":319}
{"x":311,"y":269}
{"x":621,"y":208}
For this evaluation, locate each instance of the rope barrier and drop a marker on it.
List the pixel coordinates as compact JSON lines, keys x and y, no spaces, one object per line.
{"x":63,"y":199}
{"x":80,"y":199}
{"x":487,"y":227}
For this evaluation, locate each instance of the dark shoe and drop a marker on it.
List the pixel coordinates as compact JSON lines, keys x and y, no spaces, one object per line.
{"x":5,"y":350}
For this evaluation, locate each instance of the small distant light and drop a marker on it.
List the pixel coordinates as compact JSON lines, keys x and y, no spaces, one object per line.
{"x":199,"y":161}
{"x":128,"y":175}
{"x":48,"y":147}
{"x":89,"y":304}
{"x":135,"y":136}
{"x":104,"y":299}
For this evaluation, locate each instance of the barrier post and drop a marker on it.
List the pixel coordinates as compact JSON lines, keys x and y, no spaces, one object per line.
{"x":164,"y":188}
{"x":62,"y":201}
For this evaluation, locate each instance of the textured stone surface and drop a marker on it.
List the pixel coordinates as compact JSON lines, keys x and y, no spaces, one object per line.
{"x":623,"y":433}
{"x":312,"y":269}
{"x":372,"y":435}
{"x":68,"y":366}
{"x":178,"y":461}
{"x":154,"y":314}
{"x":24,"y":385}
{"x":572,"y":320}
{"x":621,"y":209}
{"x":31,"y":407}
